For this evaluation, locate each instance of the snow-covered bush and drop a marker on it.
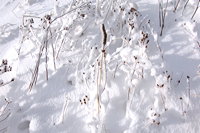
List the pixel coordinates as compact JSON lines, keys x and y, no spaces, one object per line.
{"x":111,"y":64}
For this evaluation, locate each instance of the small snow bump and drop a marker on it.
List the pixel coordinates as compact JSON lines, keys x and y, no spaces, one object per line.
{"x":153,"y":72}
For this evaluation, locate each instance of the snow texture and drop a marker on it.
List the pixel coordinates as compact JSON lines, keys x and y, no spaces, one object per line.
{"x":99,"y":66}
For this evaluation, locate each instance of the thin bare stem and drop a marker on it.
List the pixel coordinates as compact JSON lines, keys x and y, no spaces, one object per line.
{"x":35,"y":73}
{"x":101,"y":75}
{"x":5,"y":117}
{"x":162,"y":15}
{"x":176,"y":6}
{"x":63,"y":40}
{"x":84,"y":4}
{"x":6,"y":83}
{"x":185,"y":5}
{"x":46,"y":60}
{"x":197,"y":7}
{"x":159,"y":13}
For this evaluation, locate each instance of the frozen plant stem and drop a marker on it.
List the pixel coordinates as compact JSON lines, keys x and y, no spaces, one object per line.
{"x":78,"y":7}
{"x":185,"y":5}
{"x":46,"y":48}
{"x":109,"y":8}
{"x":97,"y":8}
{"x":36,"y":70}
{"x":54,"y":56}
{"x":101,"y":75}
{"x":62,"y":43}
{"x":3,"y":130}
{"x":179,"y":81}
{"x":181,"y":99}
{"x":163,"y":100}
{"x":195,"y":9}
{"x":3,"y":84}
{"x":104,"y":36}
{"x":176,"y":6}
{"x":188,"y":87}
{"x":162,"y":15}
{"x":6,"y":106}
{"x":3,"y":114}
{"x":5,"y":117}
{"x":48,"y":22}
{"x":132,"y":75}
{"x":64,"y":110}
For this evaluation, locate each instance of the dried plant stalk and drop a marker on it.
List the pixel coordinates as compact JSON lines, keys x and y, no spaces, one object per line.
{"x":101,"y":75}
{"x":195,"y":11}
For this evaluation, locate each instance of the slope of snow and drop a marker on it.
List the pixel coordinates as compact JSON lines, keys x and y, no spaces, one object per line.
{"x":99,"y":66}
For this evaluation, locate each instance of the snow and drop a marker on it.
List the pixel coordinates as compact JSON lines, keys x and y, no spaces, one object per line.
{"x":61,"y":71}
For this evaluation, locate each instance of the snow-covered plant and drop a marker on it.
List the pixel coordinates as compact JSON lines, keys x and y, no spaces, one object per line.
{"x":5,"y":112}
{"x":110,"y":52}
{"x":162,"y":14}
{"x":195,"y":11}
{"x":4,"y":68}
{"x":48,"y":33}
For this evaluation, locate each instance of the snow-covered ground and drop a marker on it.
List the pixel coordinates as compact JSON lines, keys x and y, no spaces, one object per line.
{"x":99,"y":66}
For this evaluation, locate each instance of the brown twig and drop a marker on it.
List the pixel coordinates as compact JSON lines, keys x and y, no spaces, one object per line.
{"x":101,"y":75}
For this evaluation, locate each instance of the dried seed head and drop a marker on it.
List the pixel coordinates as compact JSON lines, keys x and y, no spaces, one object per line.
{"x":31,"y":20}
{"x":48,"y":17}
{"x":4,"y":62}
{"x":135,"y":57}
{"x":160,"y":86}
{"x":133,"y":9}
{"x":66,"y":28}
{"x":82,"y":15}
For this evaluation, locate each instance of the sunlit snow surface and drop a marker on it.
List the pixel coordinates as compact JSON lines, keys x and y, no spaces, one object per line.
{"x":138,"y":82}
